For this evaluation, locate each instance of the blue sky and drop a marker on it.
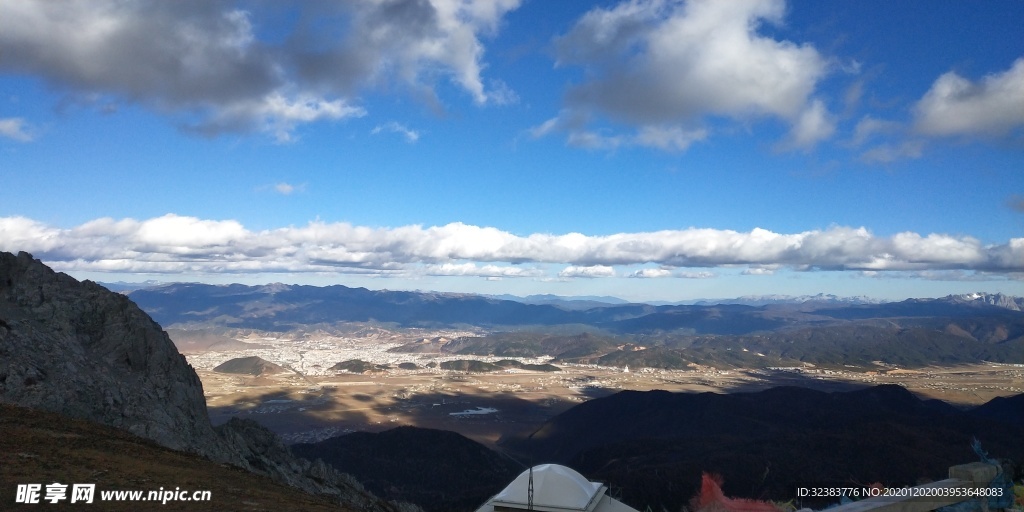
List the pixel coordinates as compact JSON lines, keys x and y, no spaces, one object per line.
{"x":648,"y":149}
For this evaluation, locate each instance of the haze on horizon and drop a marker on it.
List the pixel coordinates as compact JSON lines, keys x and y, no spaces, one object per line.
{"x":643,"y":149}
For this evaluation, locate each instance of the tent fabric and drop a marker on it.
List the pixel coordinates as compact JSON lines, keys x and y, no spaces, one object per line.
{"x":553,"y":486}
{"x":556,"y":489}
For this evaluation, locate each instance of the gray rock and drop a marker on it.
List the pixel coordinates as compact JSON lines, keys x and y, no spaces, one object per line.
{"x":80,"y":350}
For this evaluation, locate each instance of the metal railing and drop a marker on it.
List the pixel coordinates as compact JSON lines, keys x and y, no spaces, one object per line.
{"x":966,"y":482}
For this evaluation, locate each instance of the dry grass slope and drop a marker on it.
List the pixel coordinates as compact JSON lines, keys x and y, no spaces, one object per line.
{"x":41,"y":447}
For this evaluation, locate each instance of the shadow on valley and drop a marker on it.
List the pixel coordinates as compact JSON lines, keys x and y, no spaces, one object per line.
{"x":762,"y":380}
{"x":313,"y":416}
{"x":288,"y":412}
{"x":403,"y":446}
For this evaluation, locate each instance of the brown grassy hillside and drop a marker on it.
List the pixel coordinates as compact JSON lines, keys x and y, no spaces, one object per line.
{"x":41,"y":447}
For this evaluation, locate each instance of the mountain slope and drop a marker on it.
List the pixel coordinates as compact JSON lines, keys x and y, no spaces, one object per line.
{"x":1008,"y":409}
{"x":43,"y":447}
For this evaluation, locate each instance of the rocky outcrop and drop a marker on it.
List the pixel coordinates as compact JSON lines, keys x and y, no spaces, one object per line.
{"x":80,"y":350}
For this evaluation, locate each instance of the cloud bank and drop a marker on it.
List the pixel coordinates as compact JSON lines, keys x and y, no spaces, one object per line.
{"x":174,"y":244}
{"x":208,"y":64}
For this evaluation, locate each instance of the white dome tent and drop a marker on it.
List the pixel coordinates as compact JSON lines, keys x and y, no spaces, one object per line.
{"x":555,"y":489}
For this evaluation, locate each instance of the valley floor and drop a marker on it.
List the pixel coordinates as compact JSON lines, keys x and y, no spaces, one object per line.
{"x":310,"y":402}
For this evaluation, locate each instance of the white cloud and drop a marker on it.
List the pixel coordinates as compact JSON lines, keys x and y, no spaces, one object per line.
{"x":501,"y":94}
{"x":948,"y":275}
{"x":594,"y":140}
{"x":488,"y":271}
{"x":288,"y":189}
{"x":587,"y":272}
{"x":173,"y":244}
{"x":869,"y":127}
{"x":205,"y":64}
{"x":669,"y":138}
{"x":15,"y":128}
{"x":406,"y":42}
{"x":545,"y":128}
{"x":956,"y":106}
{"x":814,"y":125}
{"x":279,"y":115}
{"x":665,"y":137}
{"x":651,"y":273}
{"x":696,"y":275}
{"x":887,"y":153}
{"x":654,"y":273}
{"x":395,"y":127}
{"x":669,"y":63}
{"x":758,"y":271}
{"x":183,"y":234}
{"x":274,"y":114}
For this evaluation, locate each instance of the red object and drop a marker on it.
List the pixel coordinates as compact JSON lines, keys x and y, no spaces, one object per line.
{"x":712,"y":499}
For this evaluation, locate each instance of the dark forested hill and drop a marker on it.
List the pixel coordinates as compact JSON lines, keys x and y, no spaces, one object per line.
{"x":763,"y":443}
{"x":439,"y":470}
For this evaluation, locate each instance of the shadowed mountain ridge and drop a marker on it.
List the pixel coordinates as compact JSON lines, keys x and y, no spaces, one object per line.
{"x":439,"y":470}
{"x":763,"y":443}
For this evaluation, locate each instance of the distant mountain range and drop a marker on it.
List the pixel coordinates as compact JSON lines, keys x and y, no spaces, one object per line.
{"x":282,"y":307}
{"x":589,"y":301}
{"x":548,"y":298}
{"x":122,"y":286}
{"x":992,"y":299}
{"x":822,"y":330}
{"x":581,"y":302}
{"x":762,"y":300}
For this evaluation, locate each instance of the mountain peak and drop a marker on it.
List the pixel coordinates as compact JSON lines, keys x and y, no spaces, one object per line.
{"x":992,"y":299}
